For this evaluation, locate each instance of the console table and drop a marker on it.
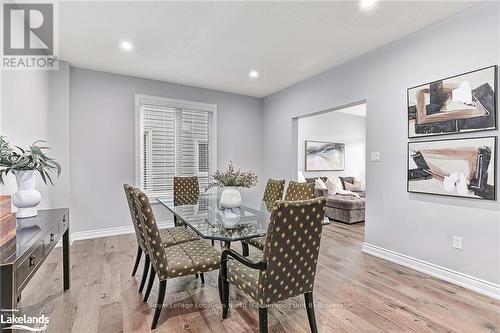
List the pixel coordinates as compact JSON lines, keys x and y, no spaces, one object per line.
{"x":34,"y":242}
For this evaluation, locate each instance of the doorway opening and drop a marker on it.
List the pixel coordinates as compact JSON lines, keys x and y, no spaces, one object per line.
{"x":330,"y":150}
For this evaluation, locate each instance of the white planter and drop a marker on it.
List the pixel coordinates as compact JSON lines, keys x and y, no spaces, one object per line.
{"x":27,"y":197}
{"x":230,"y":197}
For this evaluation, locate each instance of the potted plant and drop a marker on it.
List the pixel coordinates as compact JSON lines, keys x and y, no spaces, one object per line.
{"x":24,"y":163}
{"x":230,"y":179}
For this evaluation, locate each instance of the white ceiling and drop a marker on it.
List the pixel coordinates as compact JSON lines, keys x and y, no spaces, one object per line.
{"x":215,"y":44}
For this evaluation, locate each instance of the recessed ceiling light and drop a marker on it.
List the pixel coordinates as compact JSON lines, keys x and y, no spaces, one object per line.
{"x":253,"y":74}
{"x":126,"y":45}
{"x":365,"y":4}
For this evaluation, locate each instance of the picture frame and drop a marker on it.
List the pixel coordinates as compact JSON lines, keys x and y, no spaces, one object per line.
{"x":324,"y":156}
{"x":461,"y":103}
{"x":461,"y":167}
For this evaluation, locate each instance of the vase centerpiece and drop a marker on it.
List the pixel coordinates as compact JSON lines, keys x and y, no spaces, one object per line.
{"x":24,"y":164}
{"x":230,"y":180}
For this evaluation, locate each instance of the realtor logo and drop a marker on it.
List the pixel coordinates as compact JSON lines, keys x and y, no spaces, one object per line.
{"x":28,"y":36}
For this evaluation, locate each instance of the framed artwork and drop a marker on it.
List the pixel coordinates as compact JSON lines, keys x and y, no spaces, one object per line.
{"x":453,"y":167}
{"x":462,"y":103}
{"x":325,"y":156}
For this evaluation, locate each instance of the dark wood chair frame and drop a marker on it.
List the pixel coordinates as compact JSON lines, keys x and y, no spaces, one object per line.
{"x":261,"y":266}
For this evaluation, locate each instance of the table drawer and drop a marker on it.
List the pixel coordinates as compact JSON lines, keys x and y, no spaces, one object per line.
{"x":51,"y":237}
{"x":27,"y":267}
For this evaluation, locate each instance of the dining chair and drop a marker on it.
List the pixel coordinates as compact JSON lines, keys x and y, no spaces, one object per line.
{"x":195,"y":257}
{"x":272,"y":193}
{"x":286,"y":268}
{"x":186,"y":192}
{"x":295,"y":191}
{"x":299,"y":191}
{"x":170,"y":236}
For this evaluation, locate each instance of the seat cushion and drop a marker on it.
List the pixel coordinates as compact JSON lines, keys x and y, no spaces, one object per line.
{"x":245,"y":278}
{"x":177,"y":235}
{"x":345,"y":202}
{"x":256,"y":242}
{"x":191,"y":258}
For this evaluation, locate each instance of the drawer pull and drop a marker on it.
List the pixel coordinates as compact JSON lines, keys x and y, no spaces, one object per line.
{"x":51,"y":238}
{"x":32,"y":261}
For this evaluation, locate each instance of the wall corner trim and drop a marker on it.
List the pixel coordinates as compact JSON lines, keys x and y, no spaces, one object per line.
{"x":470,"y":282}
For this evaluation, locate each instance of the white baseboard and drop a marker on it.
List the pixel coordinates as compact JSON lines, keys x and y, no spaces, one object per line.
{"x":107,"y":232}
{"x":470,"y":282}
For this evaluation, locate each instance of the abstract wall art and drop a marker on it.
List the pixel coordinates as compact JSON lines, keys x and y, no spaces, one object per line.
{"x":462,"y":103}
{"x":455,"y":167}
{"x":325,"y":156}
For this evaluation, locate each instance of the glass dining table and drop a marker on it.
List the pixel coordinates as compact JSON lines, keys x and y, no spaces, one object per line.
{"x":209,"y":221}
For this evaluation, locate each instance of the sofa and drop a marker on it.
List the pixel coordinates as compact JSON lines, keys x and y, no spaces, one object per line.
{"x":342,"y":208}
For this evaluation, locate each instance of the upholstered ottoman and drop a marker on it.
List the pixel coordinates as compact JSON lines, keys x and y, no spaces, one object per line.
{"x":347,"y":209}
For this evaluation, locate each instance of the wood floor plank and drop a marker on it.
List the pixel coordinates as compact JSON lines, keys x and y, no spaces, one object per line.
{"x":354,"y":292}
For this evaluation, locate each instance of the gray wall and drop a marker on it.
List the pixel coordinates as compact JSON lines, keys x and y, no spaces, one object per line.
{"x":103,"y":141}
{"x":420,"y":226}
{"x":35,"y":106}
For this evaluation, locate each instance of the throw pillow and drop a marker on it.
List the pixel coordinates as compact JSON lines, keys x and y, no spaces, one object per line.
{"x":357,"y":186}
{"x":331,"y":186}
{"x":320,"y":184}
{"x":337,"y":181}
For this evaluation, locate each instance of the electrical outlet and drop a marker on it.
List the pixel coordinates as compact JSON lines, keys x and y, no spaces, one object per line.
{"x":457,"y":242}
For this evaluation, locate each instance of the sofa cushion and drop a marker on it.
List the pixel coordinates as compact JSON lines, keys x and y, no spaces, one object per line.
{"x":345,"y":202}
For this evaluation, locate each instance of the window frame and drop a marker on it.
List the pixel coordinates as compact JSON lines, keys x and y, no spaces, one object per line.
{"x":180,"y":104}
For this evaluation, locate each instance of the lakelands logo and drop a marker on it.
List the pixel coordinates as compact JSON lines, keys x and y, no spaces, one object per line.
{"x":28,"y":36}
{"x":25,"y":323}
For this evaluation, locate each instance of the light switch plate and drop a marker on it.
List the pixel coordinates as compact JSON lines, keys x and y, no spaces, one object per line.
{"x":375,"y":156}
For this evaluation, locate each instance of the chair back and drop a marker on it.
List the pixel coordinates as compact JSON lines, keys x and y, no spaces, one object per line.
{"x":139,"y":234}
{"x":152,"y":237}
{"x":291,"y":249}
{"x":186,"y":191}
{"x":273,"y":192}
{"x":299,"y":191}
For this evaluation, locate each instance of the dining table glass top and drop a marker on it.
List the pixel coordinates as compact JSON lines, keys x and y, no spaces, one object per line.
{"x":210,"y":221}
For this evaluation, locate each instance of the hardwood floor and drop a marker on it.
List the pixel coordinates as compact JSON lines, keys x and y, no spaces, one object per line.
{"x":354,"y":292}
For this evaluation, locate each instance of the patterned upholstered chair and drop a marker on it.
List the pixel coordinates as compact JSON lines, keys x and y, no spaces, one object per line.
{"x":169,"y":236}
{"x":295,"y":191}
{"x":287,"y":266}
{"x":195,"y":257}
{"x":186,"y":192}
{"x":272,"y":193}
{"x":299,"y":191}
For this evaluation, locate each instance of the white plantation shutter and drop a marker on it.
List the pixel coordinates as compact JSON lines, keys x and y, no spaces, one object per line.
{"x":175,"y":138}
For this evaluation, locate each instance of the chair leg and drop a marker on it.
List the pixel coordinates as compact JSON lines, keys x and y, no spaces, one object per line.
{"x":213,"y":242}
{"x":225,"y":297}
{"x":219,"y":287}
{"x":137,"y":260}
{"x":202,"y":277}
{"x":310,"y":312}
{"x":159,"y":304}
{"x":144,"y":273}
{"x":262,"y":320}
{"x":152,"y":275}
{"x":245,"y":250}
